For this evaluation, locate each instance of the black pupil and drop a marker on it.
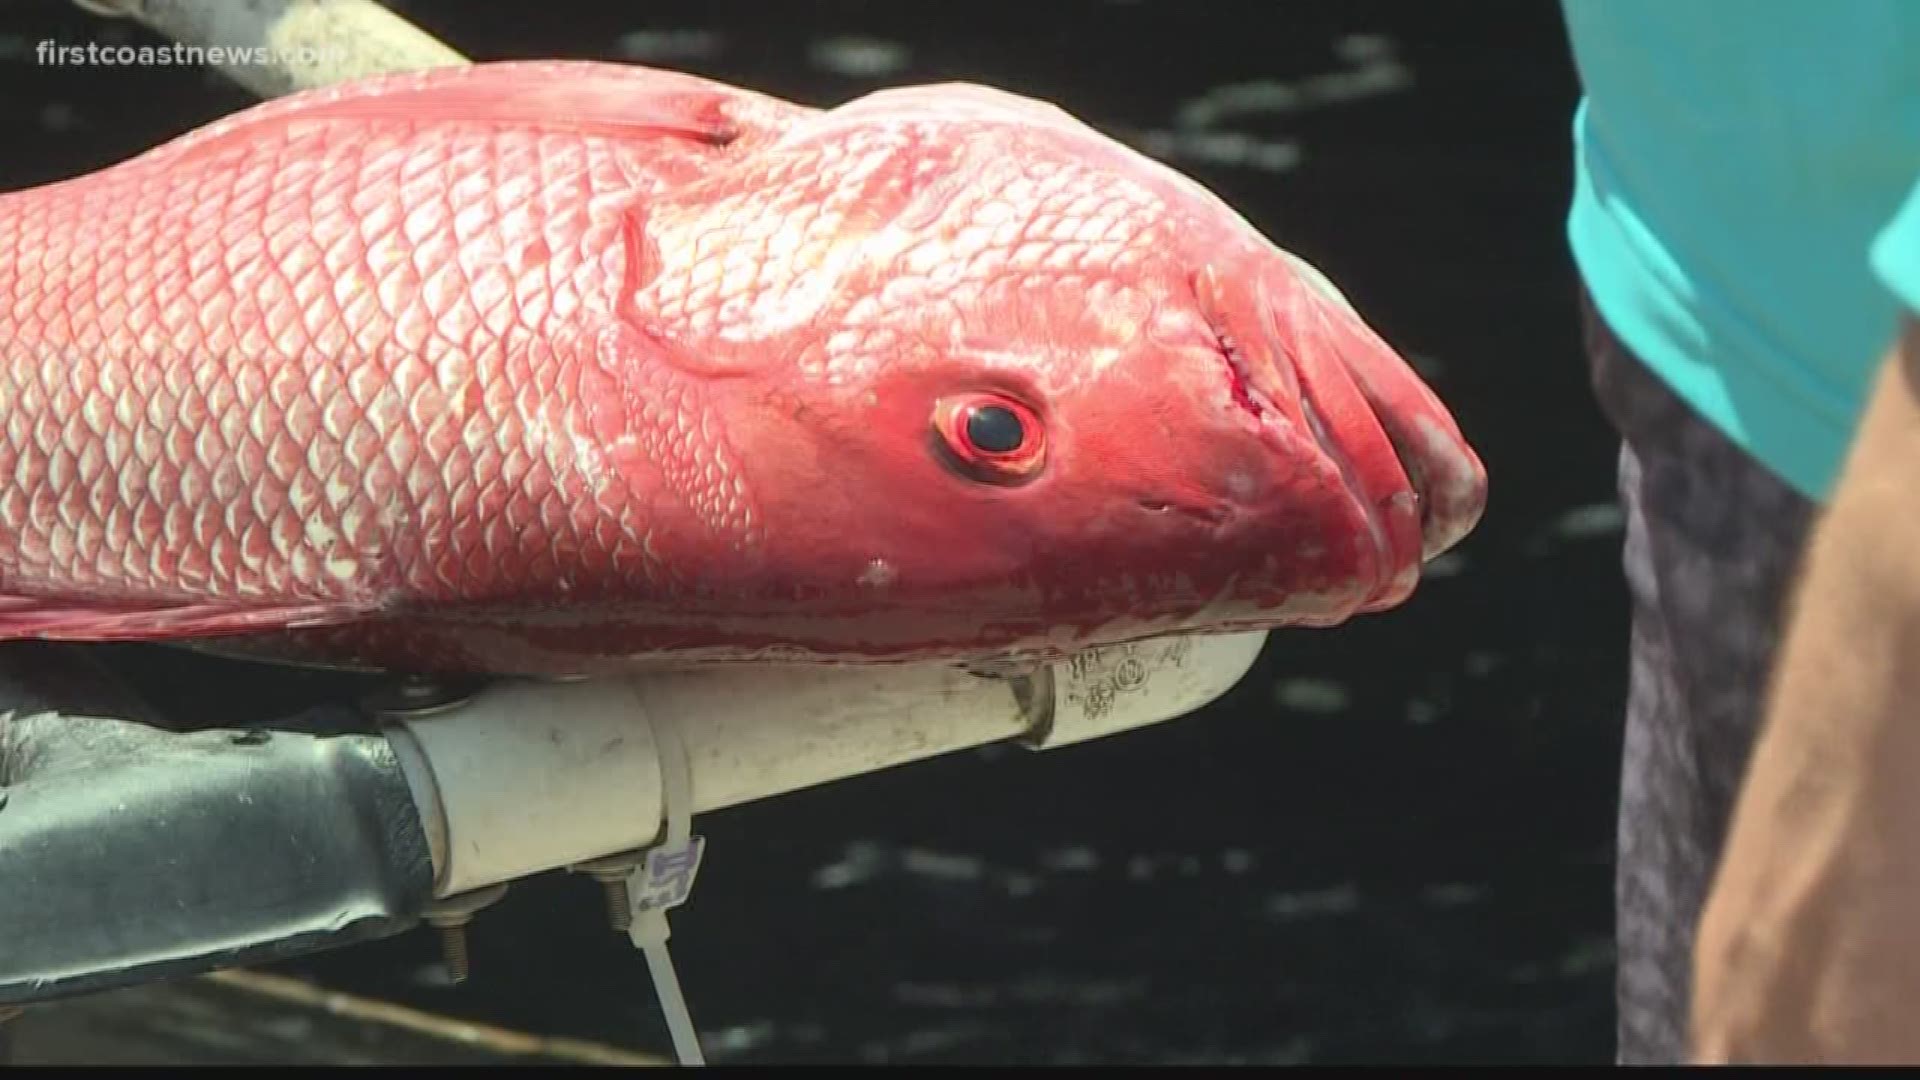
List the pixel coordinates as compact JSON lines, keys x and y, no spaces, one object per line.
{"x":994,"y":429}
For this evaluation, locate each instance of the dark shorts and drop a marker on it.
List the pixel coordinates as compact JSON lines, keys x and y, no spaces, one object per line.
{"x":1712,"y":543}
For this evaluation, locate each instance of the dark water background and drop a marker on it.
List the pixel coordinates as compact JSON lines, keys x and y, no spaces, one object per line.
{"x":1389,"y":843}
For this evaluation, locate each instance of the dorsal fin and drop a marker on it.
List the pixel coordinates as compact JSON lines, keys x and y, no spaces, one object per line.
{"x":588,"y":97}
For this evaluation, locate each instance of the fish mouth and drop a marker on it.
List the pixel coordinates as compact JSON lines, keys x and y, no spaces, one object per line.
{"x":1299,"y":356}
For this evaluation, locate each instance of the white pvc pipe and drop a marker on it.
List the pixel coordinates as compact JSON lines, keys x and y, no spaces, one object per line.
{"x":530,"y":777}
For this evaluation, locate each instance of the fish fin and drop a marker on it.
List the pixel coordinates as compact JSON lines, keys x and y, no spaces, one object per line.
{"x":588,"y":97}
{"x":57,"y":619}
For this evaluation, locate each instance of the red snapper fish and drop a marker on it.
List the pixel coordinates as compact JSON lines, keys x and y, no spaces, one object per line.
{"x":559,"y":367}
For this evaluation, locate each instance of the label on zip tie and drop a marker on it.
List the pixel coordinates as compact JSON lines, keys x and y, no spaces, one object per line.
{"x":665,"y":880}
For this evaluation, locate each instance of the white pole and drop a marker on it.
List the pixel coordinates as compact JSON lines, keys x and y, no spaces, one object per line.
{"x":530,"y":777}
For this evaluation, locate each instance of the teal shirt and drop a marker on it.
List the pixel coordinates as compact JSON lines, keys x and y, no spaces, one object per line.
{"x":1745,"y":210}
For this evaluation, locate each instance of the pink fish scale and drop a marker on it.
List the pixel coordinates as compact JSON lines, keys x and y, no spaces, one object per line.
{"x":120,"y":439}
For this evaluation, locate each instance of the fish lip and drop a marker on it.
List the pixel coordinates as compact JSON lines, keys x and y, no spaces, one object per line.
{"x":1445,"y":478}
{"x":1265,"y":375}
{"x":1385,"y":572}
{"x":1255,"y":389}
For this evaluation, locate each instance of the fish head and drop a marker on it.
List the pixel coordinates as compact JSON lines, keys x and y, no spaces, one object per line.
{"x":1069,"y":395}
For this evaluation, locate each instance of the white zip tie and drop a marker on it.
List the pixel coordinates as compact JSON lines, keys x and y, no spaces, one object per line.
{"x":663,"y":881}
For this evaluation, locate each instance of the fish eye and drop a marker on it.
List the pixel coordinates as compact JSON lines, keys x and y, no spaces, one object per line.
{"x":990,"y":437}
{"x":995,"y":429}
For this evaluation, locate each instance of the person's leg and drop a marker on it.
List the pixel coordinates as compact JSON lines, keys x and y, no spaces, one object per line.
{"x":1712,"y":542}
